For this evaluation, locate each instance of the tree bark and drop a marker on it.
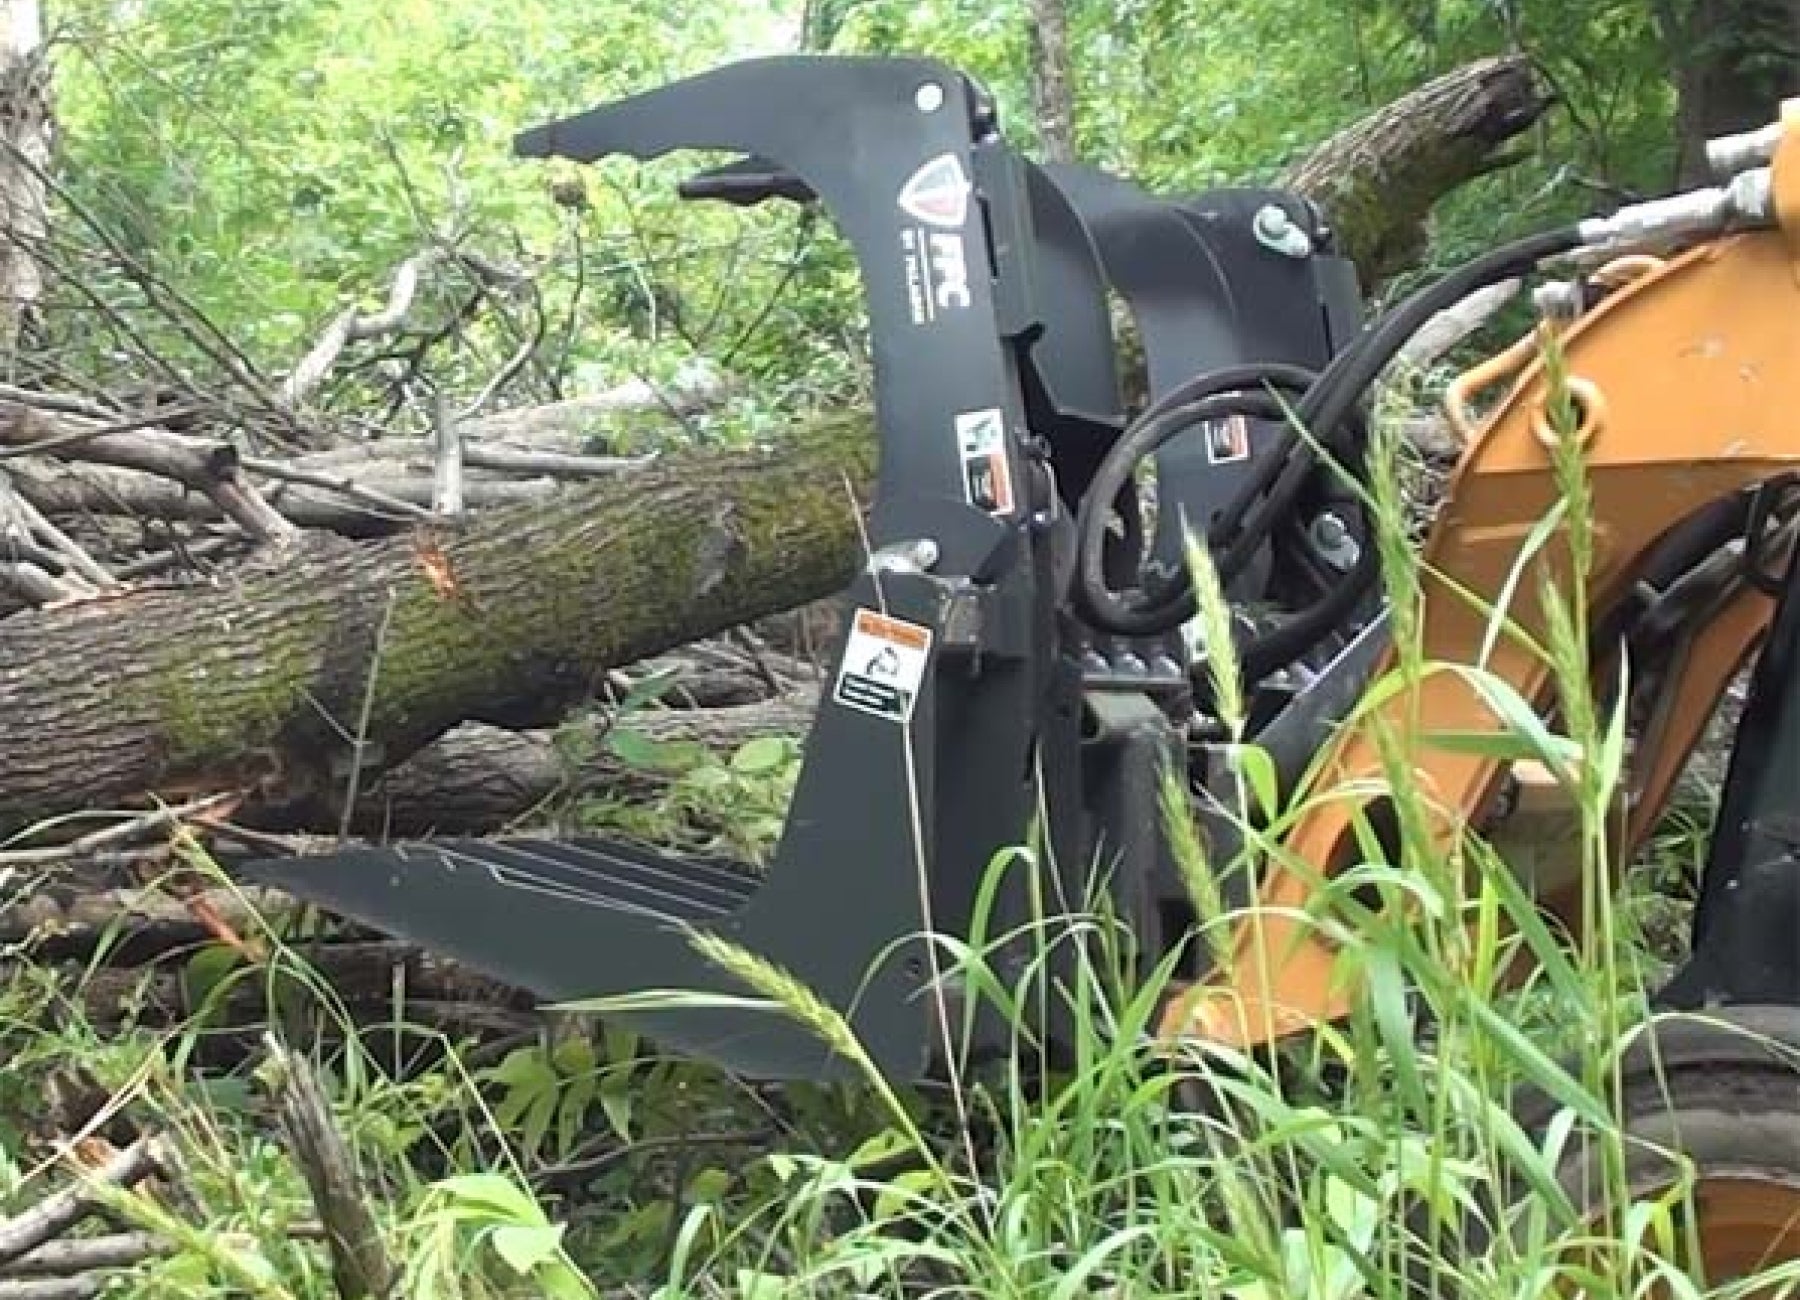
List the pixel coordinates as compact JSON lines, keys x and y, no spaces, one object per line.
{"x":1052,"y":88}
{"x":25,"y":128}
{"x":280,"y":679}
{"x":302,"y":681}
{"x":1379,"y":178}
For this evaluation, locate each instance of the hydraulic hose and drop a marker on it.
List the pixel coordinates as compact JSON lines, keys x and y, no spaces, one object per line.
{"x":1324,"y":404}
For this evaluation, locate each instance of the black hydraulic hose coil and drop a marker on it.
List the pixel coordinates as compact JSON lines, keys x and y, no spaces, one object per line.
{"x":1322,"y":403}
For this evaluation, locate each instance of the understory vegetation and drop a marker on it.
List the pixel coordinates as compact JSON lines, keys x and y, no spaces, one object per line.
{"x":263,"y":164}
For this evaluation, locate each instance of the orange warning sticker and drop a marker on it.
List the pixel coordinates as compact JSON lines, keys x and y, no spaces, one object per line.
{"x":884,"y":664}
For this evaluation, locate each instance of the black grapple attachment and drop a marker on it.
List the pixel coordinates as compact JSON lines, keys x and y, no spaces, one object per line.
{"x":966,"y":697}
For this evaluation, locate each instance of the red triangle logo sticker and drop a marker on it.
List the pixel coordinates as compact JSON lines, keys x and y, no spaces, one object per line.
{"x":938,"y":193}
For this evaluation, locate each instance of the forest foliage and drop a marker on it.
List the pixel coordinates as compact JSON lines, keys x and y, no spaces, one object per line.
{"x":269,"y":162}
{"x":276,"y":160}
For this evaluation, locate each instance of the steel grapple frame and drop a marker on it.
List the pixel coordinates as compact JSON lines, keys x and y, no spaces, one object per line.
{"x":1016,"y":667}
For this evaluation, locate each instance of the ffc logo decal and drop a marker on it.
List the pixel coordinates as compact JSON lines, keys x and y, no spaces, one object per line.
{"x":935,"y":256}
{"x":938,"y":194}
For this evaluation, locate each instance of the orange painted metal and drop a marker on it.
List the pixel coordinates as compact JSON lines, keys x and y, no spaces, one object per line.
{"x":1690,"y":380}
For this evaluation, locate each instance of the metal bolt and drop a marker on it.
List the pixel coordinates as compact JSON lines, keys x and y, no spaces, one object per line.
{"x":915,"y":556}
{"x":929,"y":97}
{"x":1275,"y":230}
{"x":1332,"y":540}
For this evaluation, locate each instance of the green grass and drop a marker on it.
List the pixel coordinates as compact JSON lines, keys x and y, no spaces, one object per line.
{"x":1366,"y":1161}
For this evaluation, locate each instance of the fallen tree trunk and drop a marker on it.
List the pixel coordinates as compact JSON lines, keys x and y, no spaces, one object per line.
{"x":303,"y":676}
{"x":276,"y":682}
{"x":1380,"y":177}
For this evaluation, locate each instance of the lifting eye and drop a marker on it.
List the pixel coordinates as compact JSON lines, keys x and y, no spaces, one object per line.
{"x":1590,"y":414}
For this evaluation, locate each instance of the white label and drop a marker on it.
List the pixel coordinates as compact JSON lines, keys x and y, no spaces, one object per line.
{"x":884,"y":665}
{"x":1227,"y":440}
{"x":987,"y":476}
{"x":937,"y":273}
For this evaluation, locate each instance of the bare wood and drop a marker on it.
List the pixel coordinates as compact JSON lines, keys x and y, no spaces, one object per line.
{"x":24,"y":208}
{"x":360,"y":1266}
{"x":107,"y":491}
{"x":32,"y":584}
{"x":20,"y":521}
{"x":80,"y":1286}
{"x":576,"y":417}
{"x":373,"y":497}
{"x":212,"y":470}
{"x":63,"y":1209}
{"x":447,"y":483}
{"x":1052,"y":94}
{"x":352,"y":326}
{"x":85,"y":1254}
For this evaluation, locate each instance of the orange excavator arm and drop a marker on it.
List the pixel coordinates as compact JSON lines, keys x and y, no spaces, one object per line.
{"x":1686,"y":385}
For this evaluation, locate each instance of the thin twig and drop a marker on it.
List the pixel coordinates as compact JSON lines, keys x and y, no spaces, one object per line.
{"x":67,"y":551}
{"x":352,"y":326}
{"x":135,"y":828}
{"x":362,"y":722}
{"x":193,"y":323}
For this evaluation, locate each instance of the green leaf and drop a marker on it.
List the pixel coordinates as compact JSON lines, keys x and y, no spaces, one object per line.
{"x":709,"y":1185}
{"x":648,"y":689}
{"x":1504,"y":746}
{"x":525,"y":1247}
{"x":488,"y":1196}
{"x":207,"y":969}
{"x":1522,"y":720}
{"x":617,"y":1099}
{"x":762,"y":756}
{"x":574,"y":1055}
{"x":637,"y":750}
{"x":752,"y":1285}
{"x":885,"y":1145}
{"x":1258,"y":768}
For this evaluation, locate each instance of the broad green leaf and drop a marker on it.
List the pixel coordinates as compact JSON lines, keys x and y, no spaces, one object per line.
{"x":761,"y":756}
{"x":526,"y":1246}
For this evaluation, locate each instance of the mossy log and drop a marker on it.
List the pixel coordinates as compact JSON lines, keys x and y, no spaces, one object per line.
{"x":1380,"y":177}
{"x":277,"y":679}
{"x":303,"y":681}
